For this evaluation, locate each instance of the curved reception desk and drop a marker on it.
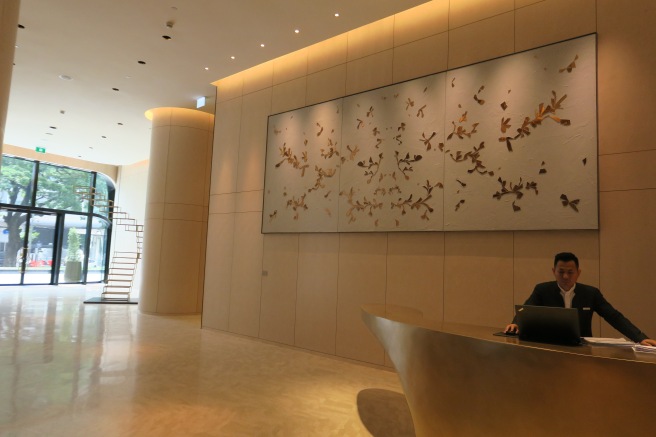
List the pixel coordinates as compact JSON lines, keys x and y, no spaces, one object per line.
{"x":461,"y":380}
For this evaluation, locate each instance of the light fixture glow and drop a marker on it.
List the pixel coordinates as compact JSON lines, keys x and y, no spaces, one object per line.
{"x":207,"y":68}
{"x":297,"y":31}
{"x":261,"y":45}
{"x":232,"y":57}
{"x":337,"y":14}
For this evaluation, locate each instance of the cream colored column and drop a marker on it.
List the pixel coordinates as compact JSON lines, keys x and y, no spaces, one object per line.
{"x":177,"y":200}
{"x":8,"y":27}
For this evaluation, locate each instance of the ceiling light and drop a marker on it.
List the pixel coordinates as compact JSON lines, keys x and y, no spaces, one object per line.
{"x":20,"y":26}
{"x":337,"y":14}
{"x":53,"y":127}
{"x":142,"y":62}
{"x":115,"y":89}
{"x":119,"y":123}
{"x":166,"y":37}
{"x":232,"y":57}
{"x":65,"y":77}
{"x":297,"y":31}
{"x":261,"y":45}
{"x":207,"y":68}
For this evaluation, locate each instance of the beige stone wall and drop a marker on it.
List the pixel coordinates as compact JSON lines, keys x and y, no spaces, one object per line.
{"x":8,"y":27}
{"x":305,"y":289}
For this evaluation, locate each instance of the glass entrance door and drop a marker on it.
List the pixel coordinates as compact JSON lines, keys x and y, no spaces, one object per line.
{"x":40,"y":240}
{"x":27,"y":247}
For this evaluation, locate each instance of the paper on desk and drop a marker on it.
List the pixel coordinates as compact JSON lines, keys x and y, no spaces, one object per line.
{"x":644,"y":348}
{"x":601,"y":341}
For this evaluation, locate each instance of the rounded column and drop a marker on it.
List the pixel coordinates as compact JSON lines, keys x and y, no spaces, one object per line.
{"x":8,"y":27}
{"x":177,"y":198}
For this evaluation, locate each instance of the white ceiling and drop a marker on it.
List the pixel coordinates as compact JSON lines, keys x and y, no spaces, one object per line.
{"x":98,"y":43}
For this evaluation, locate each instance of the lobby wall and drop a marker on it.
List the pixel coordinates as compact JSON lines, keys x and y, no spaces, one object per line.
{"x":305,"y":290}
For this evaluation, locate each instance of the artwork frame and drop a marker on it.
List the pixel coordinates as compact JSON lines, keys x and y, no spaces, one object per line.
{"x":505,"y":144}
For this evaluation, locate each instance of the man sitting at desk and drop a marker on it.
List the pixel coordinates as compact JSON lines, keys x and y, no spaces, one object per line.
{"x":565,"y":292}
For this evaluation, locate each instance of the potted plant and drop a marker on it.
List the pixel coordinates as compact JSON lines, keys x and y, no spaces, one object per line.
{"x":73,"y":270}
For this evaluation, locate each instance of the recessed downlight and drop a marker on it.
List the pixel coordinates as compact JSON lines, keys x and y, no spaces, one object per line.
{"x":232,"y":57}
{"x":53,"y":127}
{"x":65,"y":77}
{"x":115,"y":89}
{"x":337,"y":14}
{"x":20,"y":26}
{"x":119,"y":123}
{"x":297,"y":31}
{"x":166,"y":37}
{"x":262,"y":45}
{"x":142,"y":62}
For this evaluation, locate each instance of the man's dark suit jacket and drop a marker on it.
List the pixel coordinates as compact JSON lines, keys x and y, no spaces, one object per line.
{"x":587,"y":299}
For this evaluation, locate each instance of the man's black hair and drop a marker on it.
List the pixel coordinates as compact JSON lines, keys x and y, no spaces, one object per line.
{"x":566,"y":257}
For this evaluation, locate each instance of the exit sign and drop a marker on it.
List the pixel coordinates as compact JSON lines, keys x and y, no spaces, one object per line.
{"x":41,"y":149}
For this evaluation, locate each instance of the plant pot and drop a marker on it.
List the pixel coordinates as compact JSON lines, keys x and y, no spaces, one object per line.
{"x":73,"y":271}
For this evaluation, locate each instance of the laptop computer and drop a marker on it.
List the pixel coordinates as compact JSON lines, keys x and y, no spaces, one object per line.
{"x":548,"y":324}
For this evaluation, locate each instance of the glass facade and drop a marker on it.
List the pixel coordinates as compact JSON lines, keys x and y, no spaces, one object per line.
{"x":50,"y":233}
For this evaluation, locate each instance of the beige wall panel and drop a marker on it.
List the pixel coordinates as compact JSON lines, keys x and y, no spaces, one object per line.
{"x":552,"y":21}
{"x":218,"y":271}
{"x":316,"y":302}
{"x":627,"y":171}
{"x":207,"y":189}
{"x":246,"y":285}
{"x":326,"y":85}
{"x":225,"y":152}
{"x":327,"y":54}
{"x":464,"y":12}
{"x":158,"y":163}
{"x":258,"y":78}
{"x":421,"y":22}
{"x":161,"y":116}
{"x":278,"y":309}
{"x":155,"y":210}
{"x":179,"y":267}
{"x":249,"y":201}
{"x":190,"y":118}
{"x":229,"y":88}
{"x":482,"y":40}
{"x":421,"y":58}
{"x":291,"y":66}
{"x":362,"y":279}
{"x":415,"y":272}
{"x":200,"y":279}
{"x":185,"y":181}
{"x":289,"y":95}
{"x":223,"y":203}
{"x":534,"y":253}
{"x":151,"y":265}
{"x":627,"y":43}
{"x":182,"y":211}
{"x":368,"y":73}
{"x":628,"y":251}
{"x":371,"y":39}
{"x":478,"y":277}
{"x":256,"y":108}
{"x":523,"y":3}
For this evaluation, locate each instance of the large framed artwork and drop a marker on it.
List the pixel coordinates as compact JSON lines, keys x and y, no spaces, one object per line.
{"x":507,"y":144}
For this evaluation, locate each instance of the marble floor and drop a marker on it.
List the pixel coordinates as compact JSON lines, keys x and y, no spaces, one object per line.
{"x":74,"y":369}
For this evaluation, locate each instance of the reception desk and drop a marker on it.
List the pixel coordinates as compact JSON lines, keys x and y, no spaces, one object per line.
{"x":461,"y":380}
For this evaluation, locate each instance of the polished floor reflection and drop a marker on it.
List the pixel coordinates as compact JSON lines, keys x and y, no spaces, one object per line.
{"x":70,"y":369}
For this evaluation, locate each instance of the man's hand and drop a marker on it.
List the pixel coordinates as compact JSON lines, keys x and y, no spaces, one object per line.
{"x":514,"y":329}
{"x":647,"y":342}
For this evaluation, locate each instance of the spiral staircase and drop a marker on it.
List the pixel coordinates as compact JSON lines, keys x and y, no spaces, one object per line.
{"x":123,"y":265}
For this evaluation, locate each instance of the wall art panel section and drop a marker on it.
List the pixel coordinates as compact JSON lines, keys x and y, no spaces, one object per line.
{"x":507,"y":144}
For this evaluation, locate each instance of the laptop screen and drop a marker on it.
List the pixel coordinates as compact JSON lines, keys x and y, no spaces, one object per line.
{"x":548,"y":324}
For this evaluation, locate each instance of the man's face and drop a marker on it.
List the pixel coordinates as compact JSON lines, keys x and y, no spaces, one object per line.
{"x":566,"y":274}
